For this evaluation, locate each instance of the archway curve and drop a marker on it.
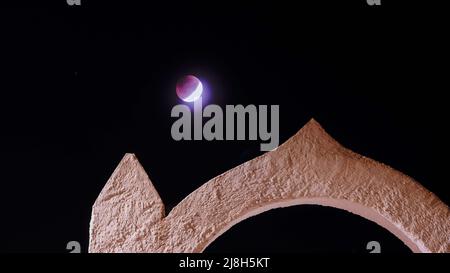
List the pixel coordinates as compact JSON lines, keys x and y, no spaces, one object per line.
{"x":337,"y":204}
{"x":304,"y":229}
{"x":311,"y":167}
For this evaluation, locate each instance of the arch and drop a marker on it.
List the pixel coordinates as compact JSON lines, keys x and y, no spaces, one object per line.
{"x":306,"y":228}
{"x":309,"y":168}
{"x":337,"y":204}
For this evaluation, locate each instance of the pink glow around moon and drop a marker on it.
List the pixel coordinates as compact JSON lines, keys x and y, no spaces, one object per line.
{"x":189,"y":88}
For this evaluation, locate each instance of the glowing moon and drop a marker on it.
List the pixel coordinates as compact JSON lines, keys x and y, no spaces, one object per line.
{"x":189,"y":88}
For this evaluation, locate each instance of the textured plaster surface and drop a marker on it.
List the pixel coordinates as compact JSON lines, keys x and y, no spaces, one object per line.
{"x":310,"y":168}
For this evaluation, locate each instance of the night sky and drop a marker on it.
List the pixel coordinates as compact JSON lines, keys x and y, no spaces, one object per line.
{"x":82,"y":86}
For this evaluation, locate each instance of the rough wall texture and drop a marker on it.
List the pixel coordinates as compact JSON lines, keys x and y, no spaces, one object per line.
{"x":310,"y":168}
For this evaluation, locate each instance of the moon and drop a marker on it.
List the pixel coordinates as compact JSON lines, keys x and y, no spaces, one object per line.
{"x":189,"y":88}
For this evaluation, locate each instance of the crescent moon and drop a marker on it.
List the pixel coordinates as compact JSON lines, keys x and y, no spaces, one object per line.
{"x":196,"y":94}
